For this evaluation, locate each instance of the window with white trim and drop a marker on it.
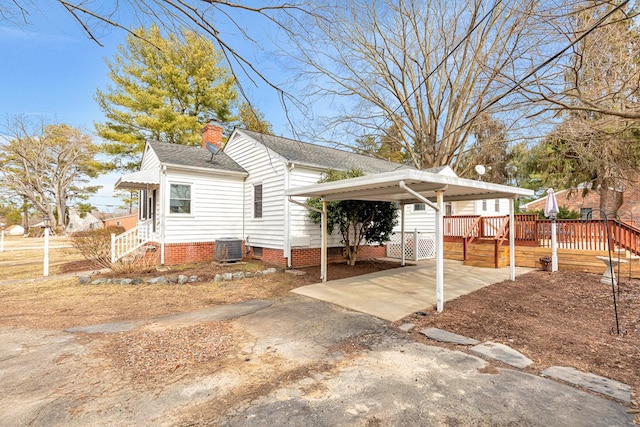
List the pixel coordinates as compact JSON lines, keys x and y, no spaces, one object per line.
{"x":419,"y":207}
{"x":497,"y":205}
{"x":180,"y":199}
{"x":257,"y":201}
{"x":484,"y":206}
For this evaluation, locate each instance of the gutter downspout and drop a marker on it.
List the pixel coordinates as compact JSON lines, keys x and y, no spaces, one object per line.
{"x":439,"y":238}
{"x":287,"y":220}
{"x":323,"y":246}
{"x":163,"y":225}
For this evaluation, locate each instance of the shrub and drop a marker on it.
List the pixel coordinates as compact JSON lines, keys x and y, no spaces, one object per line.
{"x":95,"y":245}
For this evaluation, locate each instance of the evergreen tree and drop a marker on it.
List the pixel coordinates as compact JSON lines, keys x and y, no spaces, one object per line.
{"x":163,"y":88}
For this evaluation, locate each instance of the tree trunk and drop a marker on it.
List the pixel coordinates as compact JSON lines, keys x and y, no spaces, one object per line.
{"x":611,"y":198}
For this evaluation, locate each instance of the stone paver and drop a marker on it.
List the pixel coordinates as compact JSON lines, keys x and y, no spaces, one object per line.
{"x":450,"y":337}
{"x":598,"y":384}
{"x":503,"y":353}
{"x":407,"y":327}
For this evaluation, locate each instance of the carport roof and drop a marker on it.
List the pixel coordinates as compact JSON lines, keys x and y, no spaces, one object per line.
{"x":387,"y":187}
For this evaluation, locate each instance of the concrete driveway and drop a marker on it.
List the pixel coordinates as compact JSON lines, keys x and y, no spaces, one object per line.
{"x":397,"y":293}
{"x":297,"y":361}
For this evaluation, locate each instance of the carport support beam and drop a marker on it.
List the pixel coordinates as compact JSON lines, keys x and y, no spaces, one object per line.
{"x":512,"y":237}
{"x":438,"y":208}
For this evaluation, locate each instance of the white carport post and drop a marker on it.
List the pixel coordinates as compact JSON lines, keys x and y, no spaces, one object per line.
{"x":323,"y":254}
{"x":512,"y":237}
{"x":402,"y":260}
{"x":438,"y":208}
{"x":439,"y":253}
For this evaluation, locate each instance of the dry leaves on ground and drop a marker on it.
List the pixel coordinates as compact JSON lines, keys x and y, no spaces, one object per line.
{"x":563,"y":319}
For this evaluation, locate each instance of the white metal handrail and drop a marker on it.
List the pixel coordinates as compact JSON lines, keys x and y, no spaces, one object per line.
{"x":130,"y":241}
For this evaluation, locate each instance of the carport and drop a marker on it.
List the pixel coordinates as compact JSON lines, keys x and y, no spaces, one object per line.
{"x":408,"y":187}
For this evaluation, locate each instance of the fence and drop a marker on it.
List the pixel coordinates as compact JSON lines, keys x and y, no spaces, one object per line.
{"x":417,"y":246}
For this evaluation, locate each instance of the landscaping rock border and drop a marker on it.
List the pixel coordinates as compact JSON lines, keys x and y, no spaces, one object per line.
{"x":179,"y":279}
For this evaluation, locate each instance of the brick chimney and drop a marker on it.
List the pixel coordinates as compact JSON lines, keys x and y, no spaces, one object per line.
{"x":212,"y":132}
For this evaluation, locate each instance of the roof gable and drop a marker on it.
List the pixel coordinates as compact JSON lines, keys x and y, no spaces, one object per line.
{"x":320,"y":156}
{"x":193,"y":156}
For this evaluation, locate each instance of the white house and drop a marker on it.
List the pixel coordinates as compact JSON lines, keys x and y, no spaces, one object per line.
{"x":14,"y":230}
{"x":86,"y":221}
{"x":192,"y":197}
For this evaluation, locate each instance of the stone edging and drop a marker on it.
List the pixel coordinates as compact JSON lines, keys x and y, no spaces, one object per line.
{"x":178,"y":279}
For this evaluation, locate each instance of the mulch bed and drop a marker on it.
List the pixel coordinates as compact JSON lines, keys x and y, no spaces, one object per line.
{"x":562,"y":319}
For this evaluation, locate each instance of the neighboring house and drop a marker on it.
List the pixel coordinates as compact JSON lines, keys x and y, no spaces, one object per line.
{"x":14,"y":230}
{"x":585,"y":204}
{"x":126,"y":220}
{"x":78,"y":222}
{"x":192,"y":196}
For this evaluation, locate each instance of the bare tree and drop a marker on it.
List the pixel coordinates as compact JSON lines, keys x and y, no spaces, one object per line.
{"x":49,"y":165}
{"x":595,"y":91}
{"x":428,"y":68}
{"x":601,"y":74}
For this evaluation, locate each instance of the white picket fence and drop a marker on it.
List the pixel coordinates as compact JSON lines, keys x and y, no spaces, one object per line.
{"x":417,"y":246}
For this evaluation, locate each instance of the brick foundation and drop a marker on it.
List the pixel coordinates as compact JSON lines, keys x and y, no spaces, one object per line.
{"x":308,"y":257}
{"x":183,"y":253}
{"x":270,"y":256}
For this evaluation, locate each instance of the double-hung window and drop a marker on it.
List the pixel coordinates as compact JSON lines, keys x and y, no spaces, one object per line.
{"x":257,"y":201}
{"x":180,"y":199}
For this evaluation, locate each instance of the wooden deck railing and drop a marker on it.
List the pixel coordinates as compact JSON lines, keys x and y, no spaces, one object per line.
{"x":529,"y":230}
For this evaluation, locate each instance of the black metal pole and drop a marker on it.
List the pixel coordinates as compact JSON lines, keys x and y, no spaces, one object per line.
{"x":611,"y":272}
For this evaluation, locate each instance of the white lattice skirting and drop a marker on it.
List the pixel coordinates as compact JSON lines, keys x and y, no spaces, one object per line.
{"x":417,"y":246}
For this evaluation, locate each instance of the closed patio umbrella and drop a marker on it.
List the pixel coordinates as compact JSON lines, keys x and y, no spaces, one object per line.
{"x":551,"y":211}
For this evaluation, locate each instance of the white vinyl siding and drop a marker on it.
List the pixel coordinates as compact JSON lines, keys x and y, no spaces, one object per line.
{"x":493,"y":207}
{"x":267,"y":169}
{"x":465,"y":208}
{"x":149,"y":160}
{"x":216,"y":208}
{"x":421,"y":220}
{"x":301,"y":225}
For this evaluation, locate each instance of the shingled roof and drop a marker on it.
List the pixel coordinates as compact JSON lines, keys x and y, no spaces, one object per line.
{"x":194,"y":156}
{"x":321,"y":156}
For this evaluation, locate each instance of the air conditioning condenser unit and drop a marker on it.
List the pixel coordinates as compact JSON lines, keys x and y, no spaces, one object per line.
{"x":228,"y":249}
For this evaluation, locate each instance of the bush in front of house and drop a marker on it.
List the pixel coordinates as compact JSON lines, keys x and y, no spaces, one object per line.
{"x":95,"y":245}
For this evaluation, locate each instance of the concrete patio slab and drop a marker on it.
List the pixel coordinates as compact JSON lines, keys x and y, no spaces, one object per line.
{"x":397,"y":293}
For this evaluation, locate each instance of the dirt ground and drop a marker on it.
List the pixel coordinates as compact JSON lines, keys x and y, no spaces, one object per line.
{"x":563,"y":318}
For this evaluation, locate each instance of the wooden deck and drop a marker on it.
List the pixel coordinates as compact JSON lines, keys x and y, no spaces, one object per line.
{"x":483,"y":242}
{"x":528,"y":256}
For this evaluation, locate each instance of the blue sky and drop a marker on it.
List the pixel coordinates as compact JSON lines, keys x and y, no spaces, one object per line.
{"x":51,"y":69}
